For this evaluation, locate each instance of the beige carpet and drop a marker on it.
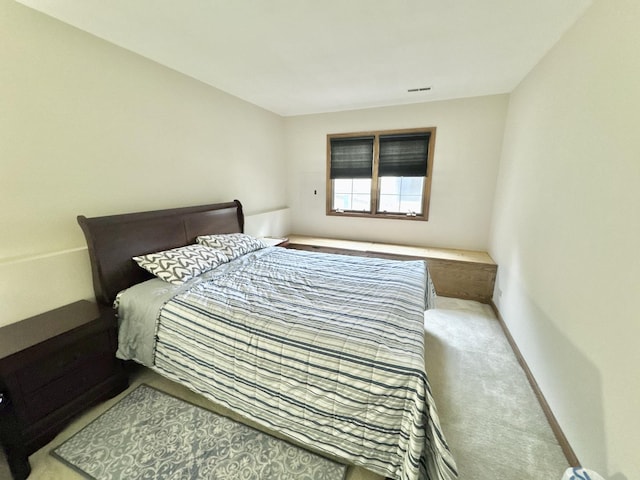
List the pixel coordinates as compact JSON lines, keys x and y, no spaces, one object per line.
{"x":492,"y":421}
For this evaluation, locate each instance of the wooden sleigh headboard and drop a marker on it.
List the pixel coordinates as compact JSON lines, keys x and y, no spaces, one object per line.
{"x":112,"y":240}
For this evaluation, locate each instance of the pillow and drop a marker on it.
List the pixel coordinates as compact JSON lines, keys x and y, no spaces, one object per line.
{"x":181,"y":264}
{"x":232,"y":245}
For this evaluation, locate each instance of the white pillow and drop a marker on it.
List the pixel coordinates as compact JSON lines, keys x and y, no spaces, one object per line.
{"x":181,"y":264}
{"x":232,"y":245}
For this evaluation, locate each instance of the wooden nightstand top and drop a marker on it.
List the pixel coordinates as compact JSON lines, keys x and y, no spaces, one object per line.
{"x":275,"y":241}
{"x":21,"y":335}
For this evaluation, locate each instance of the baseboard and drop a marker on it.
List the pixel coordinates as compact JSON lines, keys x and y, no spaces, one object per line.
{"x":555,"y":426}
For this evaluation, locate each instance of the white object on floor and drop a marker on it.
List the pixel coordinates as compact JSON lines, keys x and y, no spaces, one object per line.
{"x":580,"y":474}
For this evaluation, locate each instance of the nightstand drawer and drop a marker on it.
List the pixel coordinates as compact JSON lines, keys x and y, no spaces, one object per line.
{"x":59,"y":364}
{"x":63,"y":389}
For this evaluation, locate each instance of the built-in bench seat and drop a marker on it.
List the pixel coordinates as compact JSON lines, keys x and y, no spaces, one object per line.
{"x":455,"y":273}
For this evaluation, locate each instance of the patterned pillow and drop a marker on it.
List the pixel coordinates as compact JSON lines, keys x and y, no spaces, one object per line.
{"x":232,"y":245}
{"x":181,"y":264}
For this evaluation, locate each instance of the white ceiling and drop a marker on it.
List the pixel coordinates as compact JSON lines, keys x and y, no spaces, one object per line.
{"x":300,"y":56}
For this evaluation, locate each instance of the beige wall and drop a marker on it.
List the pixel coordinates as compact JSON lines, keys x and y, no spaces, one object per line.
{"x":467,"y":152}
{"x":566,"y":231}
{"x":89,"y":128}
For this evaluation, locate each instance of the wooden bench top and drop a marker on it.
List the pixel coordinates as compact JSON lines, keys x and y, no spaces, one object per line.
{"x":470,"y":256}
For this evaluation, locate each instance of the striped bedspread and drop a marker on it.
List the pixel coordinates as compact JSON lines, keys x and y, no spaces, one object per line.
{"x":325,"y":349}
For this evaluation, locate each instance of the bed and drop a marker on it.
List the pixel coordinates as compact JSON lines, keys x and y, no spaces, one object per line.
{"x":325,"y":349}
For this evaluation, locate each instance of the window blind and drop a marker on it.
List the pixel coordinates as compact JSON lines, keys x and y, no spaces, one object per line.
{"x":403,"y":155}
{"x":351,"y":157}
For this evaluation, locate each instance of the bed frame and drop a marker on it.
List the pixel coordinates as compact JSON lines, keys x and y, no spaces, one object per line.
{"x":112,"y":240}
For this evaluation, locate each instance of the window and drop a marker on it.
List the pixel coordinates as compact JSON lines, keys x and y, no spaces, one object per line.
{"x":383,"y":174}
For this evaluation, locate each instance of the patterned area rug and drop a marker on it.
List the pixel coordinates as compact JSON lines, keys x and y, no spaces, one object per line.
{"x":151,"y":435}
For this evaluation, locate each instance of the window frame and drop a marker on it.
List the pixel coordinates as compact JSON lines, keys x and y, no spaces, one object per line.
{"x":375,"y":183}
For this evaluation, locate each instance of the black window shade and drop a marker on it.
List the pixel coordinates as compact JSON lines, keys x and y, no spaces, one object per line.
{"x":351,"y":157}
{"x":403,"y":155}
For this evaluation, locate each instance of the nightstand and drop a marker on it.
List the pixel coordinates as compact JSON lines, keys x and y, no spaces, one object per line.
{"x":275,"y":241}
{"x":52,"y":367}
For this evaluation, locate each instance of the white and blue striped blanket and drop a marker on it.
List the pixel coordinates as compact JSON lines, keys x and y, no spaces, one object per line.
{"x":325,"y":349}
